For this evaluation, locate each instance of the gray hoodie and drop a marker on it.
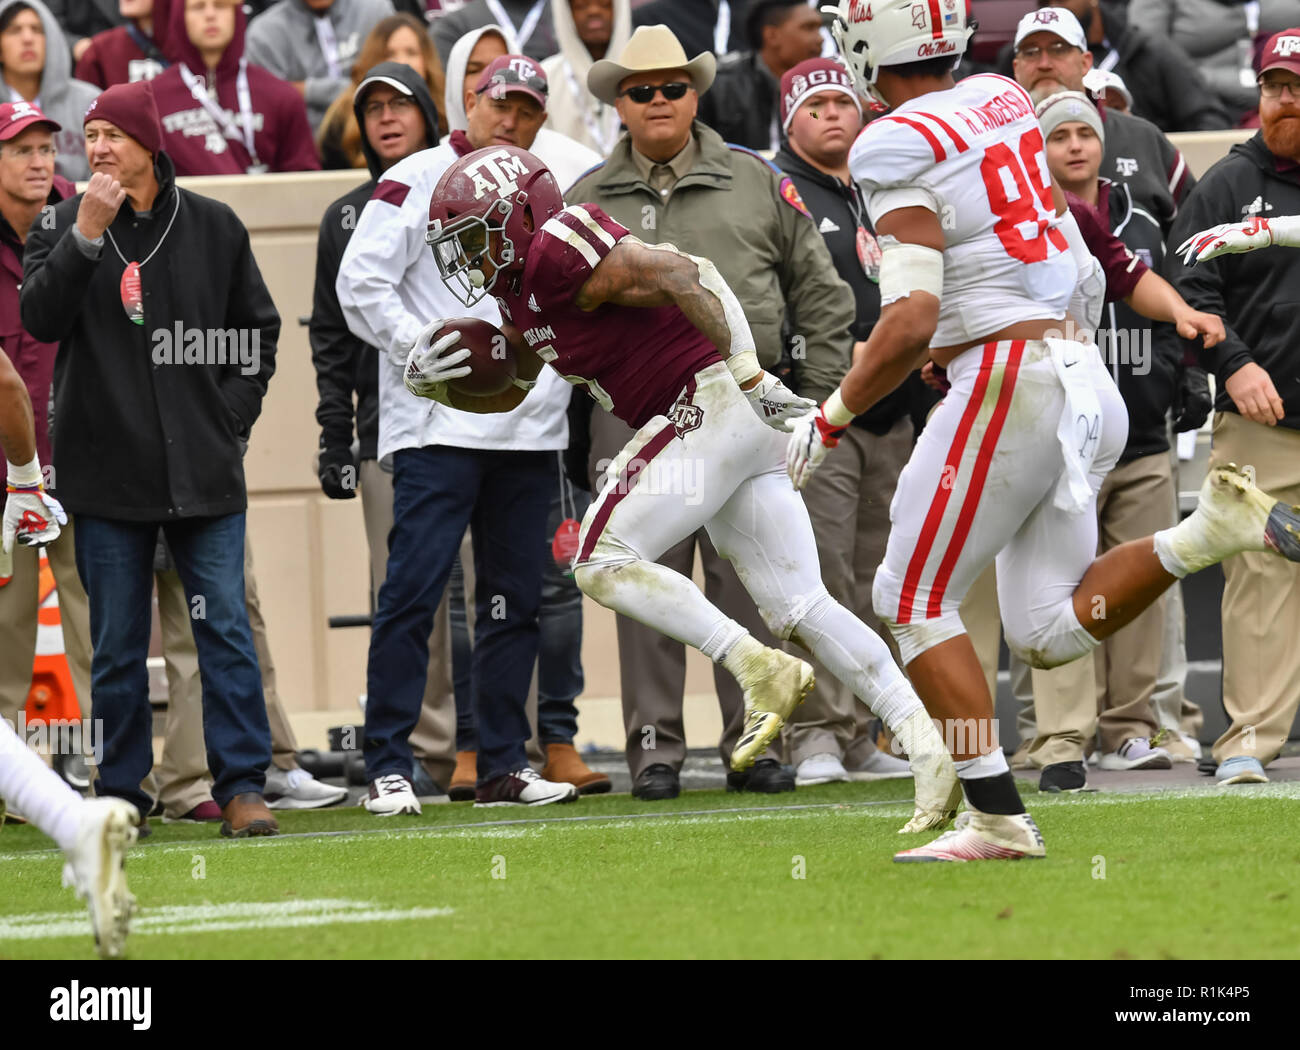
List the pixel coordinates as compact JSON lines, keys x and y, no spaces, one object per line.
{"x":62,"y":98}
{"x":287,"y":40}
{"x":571,"y":108}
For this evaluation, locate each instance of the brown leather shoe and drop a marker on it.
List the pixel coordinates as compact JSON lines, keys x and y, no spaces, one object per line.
{"x":464,"y":781}
{"x":246,"y":815}
{"x":565,"y":766}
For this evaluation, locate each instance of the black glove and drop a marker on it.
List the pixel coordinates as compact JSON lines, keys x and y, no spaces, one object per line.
{"x":1192,"y":401}
{"x":338,"y":473}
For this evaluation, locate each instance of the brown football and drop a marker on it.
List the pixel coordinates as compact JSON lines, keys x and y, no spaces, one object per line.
{"x":492,"y":358}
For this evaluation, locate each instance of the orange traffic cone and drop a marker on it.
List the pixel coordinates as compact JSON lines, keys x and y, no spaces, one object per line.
{"x":52,"y":696}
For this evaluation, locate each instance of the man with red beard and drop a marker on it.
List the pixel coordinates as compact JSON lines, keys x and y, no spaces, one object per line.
{"x":1254,"y":193}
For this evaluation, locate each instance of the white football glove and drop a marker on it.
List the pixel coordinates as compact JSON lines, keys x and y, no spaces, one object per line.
{"x":775,"y":403}
{"x":811,"y":437}
{"x":32,"y":519}
{"x":427,"y":370}
{"x":1232,"y":238}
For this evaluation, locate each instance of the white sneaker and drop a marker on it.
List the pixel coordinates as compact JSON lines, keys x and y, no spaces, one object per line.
{"x":1136,"y":753}
{"x":95,"y":869}
{"x":298,"y":789}
{"x":879,"y":765}
{"x":982,"y":836}
{"x":391,"y":794}
{"x":821,"y":768}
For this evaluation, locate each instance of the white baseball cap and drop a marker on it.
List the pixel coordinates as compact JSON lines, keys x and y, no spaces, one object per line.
{"x":1056,"y":20}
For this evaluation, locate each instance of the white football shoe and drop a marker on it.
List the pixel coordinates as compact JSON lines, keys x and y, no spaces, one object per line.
{"x":775,"y":683}
{"x":1234,"y":515}
{"x":982,"y":836}
{"x":821,"y":768}
{"x":95,"y":869}
{"x":298,"y":789}
{"x":391,"y":794}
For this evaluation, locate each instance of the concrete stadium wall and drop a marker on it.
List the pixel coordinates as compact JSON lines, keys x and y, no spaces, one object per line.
{"x":310,"y":551}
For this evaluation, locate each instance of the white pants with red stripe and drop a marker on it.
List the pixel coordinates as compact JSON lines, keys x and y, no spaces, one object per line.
{"x":982,"y":483}
{"x":715,"y":465}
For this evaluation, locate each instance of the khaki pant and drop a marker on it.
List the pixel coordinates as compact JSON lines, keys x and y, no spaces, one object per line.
{"x":848,"y":502}
{"x":652,"y":666}
{"x":1133,"y":502}
{"x":181,"y":779}
{"x":1261,"y":603}
{"x":18,"y":623}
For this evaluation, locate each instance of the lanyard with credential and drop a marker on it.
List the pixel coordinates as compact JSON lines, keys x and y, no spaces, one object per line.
{"x":722,"y":33}
{"x":200,"y":93}
{"x":1246,"y":44}
{"x":523,"y":32}
{"x":329,"y":46}
{"x":603,"y":136}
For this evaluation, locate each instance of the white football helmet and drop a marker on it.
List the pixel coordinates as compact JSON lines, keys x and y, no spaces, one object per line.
{"x":875,"y":33}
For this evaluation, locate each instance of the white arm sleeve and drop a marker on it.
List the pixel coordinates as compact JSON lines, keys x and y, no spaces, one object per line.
{"x":1090,"y":286}
{"x":882,"y":202}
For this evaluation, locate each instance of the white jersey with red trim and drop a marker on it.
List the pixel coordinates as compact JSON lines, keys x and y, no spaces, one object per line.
{"x":974,"y":155}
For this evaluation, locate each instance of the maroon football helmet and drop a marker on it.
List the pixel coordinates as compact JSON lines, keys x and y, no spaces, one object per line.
{"x":500,"y":189}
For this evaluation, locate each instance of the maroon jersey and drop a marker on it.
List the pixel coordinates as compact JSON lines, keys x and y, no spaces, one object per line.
{"x":633,"y":360}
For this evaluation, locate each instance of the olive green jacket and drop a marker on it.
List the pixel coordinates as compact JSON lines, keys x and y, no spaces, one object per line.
{"x":730,"y":209}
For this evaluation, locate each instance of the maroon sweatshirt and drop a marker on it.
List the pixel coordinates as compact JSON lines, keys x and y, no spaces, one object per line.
{"x":32,"y":359}
{"x":195,"y":141}
{"x":115,"y":58}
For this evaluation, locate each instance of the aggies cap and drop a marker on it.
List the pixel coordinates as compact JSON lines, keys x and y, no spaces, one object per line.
{"x":1058,"y":20}
{"x":513,"y":73}
{"x":17,"y":117}
{"x":1282,"y":52}
{"x":810,"y":77}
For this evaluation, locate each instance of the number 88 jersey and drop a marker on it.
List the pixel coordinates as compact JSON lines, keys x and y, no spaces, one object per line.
{"x":974,"y":155}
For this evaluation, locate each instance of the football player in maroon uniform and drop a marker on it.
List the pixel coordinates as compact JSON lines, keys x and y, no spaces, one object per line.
{"x":658,"y":338}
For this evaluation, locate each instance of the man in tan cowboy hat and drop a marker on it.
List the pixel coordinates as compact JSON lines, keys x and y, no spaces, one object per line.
{"x":672,"y":179}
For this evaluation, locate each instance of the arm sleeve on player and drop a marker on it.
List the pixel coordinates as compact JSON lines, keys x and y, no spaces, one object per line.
{"x":882,"y":202}
{"x":387,"y":242}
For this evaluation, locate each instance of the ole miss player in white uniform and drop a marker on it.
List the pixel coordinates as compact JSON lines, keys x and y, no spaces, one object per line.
{"x":657,"y":338}
{"x":977,"y":274}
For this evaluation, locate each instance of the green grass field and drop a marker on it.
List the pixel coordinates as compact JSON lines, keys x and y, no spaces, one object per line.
{"x":1192,"y":874}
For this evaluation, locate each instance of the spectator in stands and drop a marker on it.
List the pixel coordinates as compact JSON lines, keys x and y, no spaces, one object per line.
{"x":527,"y":21}
{"x":744,"y":104}
{"x":1258,"y":405}
{"x":83,"y":19}
{"x":586,"y":30}
{"x":1108,"y":89}
{"x":396,"y":117}
{"x":453,"y":470}
{"x":566,"y":157}
{"x":27,"y":185}
{"x":221,"y":114}
{"x":1220,"y":36}
{"x":175,"y":461}
{"x":821,"y":115}
{"x":699,"y":25}
{"x":125,"y":53}
{"x":1167,"y":88}
{"x":36,"y":67}
{"x":397,"y":38}
{"x":312,"y":44}
{"x":672,"y":179}
{"x":1137,"y":496}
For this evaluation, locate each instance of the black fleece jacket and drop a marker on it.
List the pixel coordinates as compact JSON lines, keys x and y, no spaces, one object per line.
{"x":343,"y":362}
{"x":1257,"y":293}
{"x":149,"y":421}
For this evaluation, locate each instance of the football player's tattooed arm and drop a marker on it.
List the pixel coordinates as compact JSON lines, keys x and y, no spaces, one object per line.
{"x":17,"y":433}
{"x":635,"y":274}
{"x":900,"y":341}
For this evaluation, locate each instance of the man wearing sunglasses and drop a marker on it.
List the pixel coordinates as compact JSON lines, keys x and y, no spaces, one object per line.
{"x":1254,"y":194}
{"x":671,"y":179}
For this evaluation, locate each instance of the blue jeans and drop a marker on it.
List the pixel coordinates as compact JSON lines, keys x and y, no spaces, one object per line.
{"x":559,"y":657}
{"x":438,"y":492}
{"x":115,"y":563}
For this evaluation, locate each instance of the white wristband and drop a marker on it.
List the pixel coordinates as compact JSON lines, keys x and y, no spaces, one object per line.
{"x":26,"y":475}
{"x":744,"y":366}
{"x":836,"y":411}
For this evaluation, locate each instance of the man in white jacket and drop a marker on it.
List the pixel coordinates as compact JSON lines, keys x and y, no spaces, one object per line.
{"x":587,"y":31}
{"x":451,"y":471}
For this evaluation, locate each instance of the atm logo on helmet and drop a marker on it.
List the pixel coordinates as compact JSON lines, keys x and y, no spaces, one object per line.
{"x":496,"y":174}
{"x":859,"y":12}
{"x":1287,"y":46}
